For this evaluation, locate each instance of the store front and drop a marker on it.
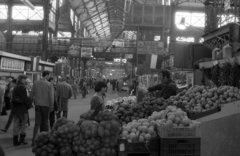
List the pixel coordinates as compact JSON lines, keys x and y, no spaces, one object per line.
{"x":13,"y":65}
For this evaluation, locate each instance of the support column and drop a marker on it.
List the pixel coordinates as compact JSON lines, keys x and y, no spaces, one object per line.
{"x":172,"y":31}
{"x":84,"y":66}
{"x":9,"y":36}
{"x":46,"y":4}
{"x":73,"y":28}
{"x":78,"y":28}
{"x":57,"y":18}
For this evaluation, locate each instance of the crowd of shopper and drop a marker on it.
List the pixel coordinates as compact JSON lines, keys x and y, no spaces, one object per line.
{"x":49,"y":98}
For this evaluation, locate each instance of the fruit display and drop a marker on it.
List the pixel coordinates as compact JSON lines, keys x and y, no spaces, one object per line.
{"x":139,"y":130}
{"x":201,"y":98}
{"x":128,"y":113}
{"x":87,"y":137}
{"x":172,"y":117}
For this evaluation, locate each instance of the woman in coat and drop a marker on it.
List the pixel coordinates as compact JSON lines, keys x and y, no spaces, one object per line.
{"x":20,"y":105}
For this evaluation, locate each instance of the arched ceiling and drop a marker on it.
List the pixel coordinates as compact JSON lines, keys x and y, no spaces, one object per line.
{"x":104,"y":19}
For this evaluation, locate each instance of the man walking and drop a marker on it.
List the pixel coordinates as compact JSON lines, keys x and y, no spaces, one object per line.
{"x":64,"y":93}
{"x":42,"y":94}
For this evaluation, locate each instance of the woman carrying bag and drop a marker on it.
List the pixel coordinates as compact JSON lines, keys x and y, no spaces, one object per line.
{"x":20,"y":105}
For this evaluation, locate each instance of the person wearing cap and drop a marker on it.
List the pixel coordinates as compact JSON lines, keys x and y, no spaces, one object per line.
{"x":43,"y":98}
{"x":20,"y":105}
{"x":167,"y":87}
{"x":64,"y":93}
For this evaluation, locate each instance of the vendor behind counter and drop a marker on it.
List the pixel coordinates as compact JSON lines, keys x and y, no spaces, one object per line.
{"x":167,"y":88}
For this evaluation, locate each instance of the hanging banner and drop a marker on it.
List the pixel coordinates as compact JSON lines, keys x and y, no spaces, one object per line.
{"x":86,"y":51}
{"x":150,"y":47}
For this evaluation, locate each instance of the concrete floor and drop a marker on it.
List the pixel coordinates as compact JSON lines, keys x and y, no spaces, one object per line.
{"x":76,"y":108}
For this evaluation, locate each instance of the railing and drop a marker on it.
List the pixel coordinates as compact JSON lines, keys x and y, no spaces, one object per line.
{"x":33,"y":45}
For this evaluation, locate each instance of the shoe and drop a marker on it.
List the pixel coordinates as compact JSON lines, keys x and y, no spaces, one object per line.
{"x":3,"y":130}
{"x":15,"y":140}
{"x":22,"y":139}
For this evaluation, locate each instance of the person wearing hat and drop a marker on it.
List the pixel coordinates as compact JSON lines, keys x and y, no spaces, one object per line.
{"x":167,"y":87}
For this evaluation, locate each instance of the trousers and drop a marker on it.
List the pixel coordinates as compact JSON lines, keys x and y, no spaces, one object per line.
{"x":65,"y":114}
{"x":20,"y":124}
{"x":52,"y":119}
{"x":41,"y":120}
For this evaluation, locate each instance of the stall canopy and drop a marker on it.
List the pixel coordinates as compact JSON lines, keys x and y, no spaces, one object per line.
{"x":103,"y":19}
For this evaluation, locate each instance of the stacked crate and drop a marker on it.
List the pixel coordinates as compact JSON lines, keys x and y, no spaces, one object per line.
{"x":184,"y":141}
{"x":150,"y":148}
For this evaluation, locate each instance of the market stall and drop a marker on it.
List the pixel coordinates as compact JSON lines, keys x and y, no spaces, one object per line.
{"x":13,"y":65}
{"x":37,"y":67}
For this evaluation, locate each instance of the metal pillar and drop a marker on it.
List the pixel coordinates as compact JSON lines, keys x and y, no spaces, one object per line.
{"x":57,"y":18}
{"x":46,"y":4}
{"x":172,"y":30}
{"x":74,"y":26}
{"x":78,"y":28}
{"x":9,"y":36}
{"x":84,"y":66}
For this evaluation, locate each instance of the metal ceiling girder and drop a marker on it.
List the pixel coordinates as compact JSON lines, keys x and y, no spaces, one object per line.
{"x":91,"y":20}
{"x":177,"y":2}
{"x":114,"y":38}
{"x":99,"y":16}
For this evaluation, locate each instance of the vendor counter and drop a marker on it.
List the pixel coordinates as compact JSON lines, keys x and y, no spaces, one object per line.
{"x":220,"y":132}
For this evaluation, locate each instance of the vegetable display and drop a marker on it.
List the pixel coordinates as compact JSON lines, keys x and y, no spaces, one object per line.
{"x":91,"y":136}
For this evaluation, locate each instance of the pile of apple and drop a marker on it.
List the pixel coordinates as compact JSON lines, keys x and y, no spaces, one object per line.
{"x":172,"y":117}
{"x":143,"y":130}
{"x":201,"y":98}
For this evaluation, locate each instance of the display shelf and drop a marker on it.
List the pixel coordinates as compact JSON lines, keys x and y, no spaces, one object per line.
{"x":210,"y":64}
{"x":226,"y":110}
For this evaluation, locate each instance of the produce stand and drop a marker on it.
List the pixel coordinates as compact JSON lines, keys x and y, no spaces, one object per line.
{"x":226,"y":110}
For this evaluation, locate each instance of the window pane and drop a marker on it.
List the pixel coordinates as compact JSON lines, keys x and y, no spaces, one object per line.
{"x":3,"y":12}
{"x":24,"y":13}
{"x":198,"y":19}
{"x":193,"y":19}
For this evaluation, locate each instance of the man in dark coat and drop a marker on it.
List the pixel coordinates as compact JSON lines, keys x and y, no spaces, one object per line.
{"x":167,"y":88}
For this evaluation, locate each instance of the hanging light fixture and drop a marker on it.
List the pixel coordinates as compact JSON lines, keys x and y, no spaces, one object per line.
{"x":182,"y":25}
{"x":29,"y":4}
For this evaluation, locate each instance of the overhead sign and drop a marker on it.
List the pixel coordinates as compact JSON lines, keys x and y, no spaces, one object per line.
{"x":150,"y":47}
{"x":46,"y":68}
{"x":12,"y":64}
{"x":86,"y":51}
{"x":119,"y":60}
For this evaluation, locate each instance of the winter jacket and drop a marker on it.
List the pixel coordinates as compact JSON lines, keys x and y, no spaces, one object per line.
{"x":166,"y":89}
{"x":24,"y":103}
